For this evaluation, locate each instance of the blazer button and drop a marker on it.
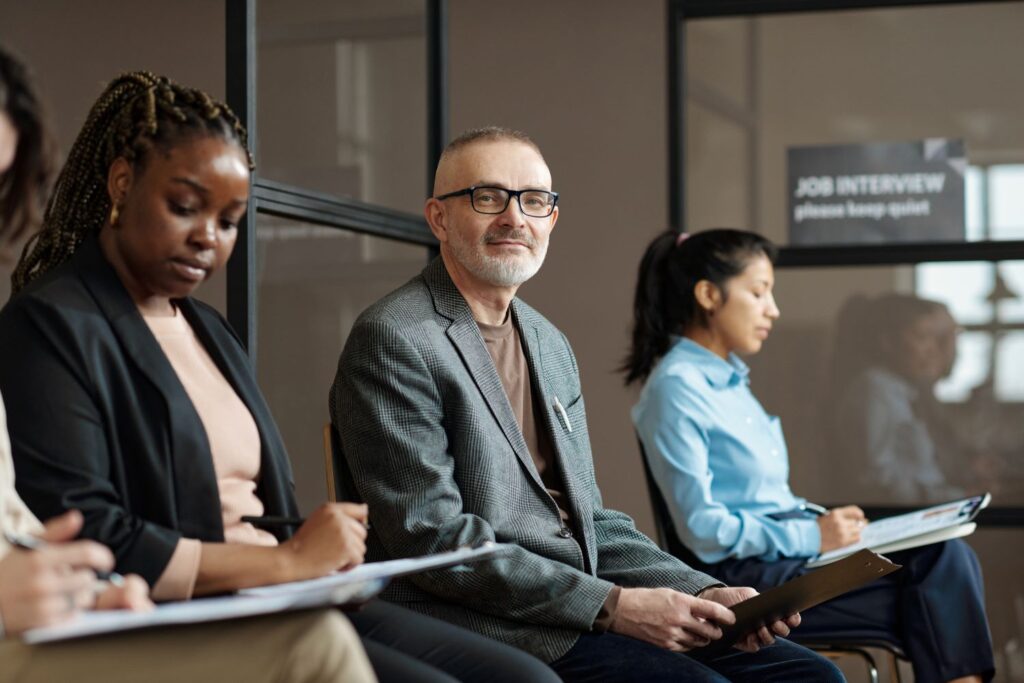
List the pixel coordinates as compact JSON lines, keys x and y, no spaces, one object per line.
{"x":565,"y":532}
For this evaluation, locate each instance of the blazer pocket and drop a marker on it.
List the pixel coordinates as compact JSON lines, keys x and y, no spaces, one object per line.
{"x":569,"y":415}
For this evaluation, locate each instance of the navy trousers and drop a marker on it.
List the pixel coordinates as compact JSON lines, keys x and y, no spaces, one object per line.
{"x":611,"y":658}
{"x":933,"y":607}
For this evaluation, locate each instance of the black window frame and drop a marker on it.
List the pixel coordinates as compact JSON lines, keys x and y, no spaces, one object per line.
{"x":294,"y":202}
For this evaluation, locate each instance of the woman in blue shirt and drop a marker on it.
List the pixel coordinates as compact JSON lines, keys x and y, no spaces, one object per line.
{"x":722,"y":467}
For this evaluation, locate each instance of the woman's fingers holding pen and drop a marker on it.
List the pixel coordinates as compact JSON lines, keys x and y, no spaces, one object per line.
{"x":132,"y":594}
{"x":840,"y":527}
{"x":330,"y":539}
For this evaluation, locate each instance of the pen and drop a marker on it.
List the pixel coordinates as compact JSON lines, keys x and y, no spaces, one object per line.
{"x":34,"y":543}
{"x":812,"y":508}
{"x":564,"y":415}
{"x":271,"y":521}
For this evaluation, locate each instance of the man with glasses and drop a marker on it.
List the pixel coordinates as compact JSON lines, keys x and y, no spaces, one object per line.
{"x":461,"y":422}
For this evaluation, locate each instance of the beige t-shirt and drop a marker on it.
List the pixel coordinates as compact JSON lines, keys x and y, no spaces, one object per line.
{"x":234,"y":445}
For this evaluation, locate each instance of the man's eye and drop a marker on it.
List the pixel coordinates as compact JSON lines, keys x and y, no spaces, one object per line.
{"x":181,"y":209}
{"x":534,"y":202}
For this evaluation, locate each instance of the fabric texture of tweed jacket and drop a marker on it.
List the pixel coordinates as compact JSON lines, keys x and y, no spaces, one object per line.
{"x":430,"y":443}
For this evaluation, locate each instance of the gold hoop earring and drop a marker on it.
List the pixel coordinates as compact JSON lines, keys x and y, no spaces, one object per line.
{"x":115,"y":214}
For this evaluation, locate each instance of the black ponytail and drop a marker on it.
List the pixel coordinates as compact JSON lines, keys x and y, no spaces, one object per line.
{"x":671,"y":267}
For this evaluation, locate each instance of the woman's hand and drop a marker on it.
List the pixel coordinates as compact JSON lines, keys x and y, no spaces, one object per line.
{"x":333,"y":537}
{"x":840,"y":527}
{"x":133,"y":594}
{"x":52,"y":584}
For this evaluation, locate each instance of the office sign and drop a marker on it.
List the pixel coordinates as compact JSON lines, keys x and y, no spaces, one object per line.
{"x":877,"y":192}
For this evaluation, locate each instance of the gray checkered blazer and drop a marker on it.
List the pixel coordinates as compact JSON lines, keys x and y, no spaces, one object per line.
{"x":432,"y":446}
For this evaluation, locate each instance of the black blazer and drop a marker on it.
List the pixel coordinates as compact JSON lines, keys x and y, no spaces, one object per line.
{"x":100,"y":422}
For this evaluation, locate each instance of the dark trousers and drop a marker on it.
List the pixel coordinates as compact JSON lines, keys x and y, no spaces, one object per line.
{"x":611,"y":658}
{"x":933,"y":607}
{"x":407,"y":647}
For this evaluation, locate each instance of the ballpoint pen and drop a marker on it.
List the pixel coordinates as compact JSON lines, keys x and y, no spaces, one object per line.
{"x":271,"y":521}
{"x":813,"y":508}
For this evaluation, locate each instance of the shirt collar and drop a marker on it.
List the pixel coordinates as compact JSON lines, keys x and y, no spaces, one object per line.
{"x":718,"y":371}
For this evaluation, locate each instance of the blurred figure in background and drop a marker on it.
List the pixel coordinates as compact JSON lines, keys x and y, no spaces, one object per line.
{"x":897,"y":441}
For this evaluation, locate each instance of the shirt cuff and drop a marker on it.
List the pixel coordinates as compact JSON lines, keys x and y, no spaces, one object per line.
{"x":808,"y":537}
{"x":179,"y":578}
{"x":606,"y":615}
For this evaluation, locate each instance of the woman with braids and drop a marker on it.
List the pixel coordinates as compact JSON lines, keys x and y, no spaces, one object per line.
{"x":721,"y":464}
{"x":135,"y":404}
{"x":53,"y":584}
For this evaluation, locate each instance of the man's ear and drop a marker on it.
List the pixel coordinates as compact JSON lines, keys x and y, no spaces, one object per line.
{"x":554,"y":218}
{"x":120,"y":177}
{"x":437,"y":219}
{"x":708,"y":295}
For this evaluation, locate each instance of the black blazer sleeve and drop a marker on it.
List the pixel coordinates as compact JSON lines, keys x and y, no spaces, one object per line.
{"x":60,"y":436}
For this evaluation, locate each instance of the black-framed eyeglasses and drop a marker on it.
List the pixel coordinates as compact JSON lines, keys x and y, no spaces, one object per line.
{"x":494,"y":200}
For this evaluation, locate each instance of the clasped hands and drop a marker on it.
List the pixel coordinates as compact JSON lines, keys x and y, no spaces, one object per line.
{"x":679,"y":622}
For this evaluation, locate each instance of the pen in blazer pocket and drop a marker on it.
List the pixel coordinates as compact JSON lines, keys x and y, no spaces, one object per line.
{"x":564,"y":415}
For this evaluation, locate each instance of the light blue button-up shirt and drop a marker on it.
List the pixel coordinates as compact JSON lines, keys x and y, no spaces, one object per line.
{"x":720,"y":460}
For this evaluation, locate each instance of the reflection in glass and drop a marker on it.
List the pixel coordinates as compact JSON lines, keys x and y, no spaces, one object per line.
{"x":855,"y":411}
{"x":896,"y":442}
{"x":313,"y":283}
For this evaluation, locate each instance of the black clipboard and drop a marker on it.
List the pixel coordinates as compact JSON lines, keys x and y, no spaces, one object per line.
{"x":799,"y":594}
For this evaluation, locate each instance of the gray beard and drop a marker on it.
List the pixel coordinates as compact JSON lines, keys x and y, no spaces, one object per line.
{"x":510,"y":272}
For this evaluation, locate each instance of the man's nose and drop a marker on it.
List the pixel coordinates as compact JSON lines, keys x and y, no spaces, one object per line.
{"x":513,"y":213}
{"x":773,"y":311}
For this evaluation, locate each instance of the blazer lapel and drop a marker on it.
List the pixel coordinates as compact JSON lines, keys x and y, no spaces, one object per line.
{"x":542,"y":395}
{"x":465,"y":336}
{"x":197,"y":509}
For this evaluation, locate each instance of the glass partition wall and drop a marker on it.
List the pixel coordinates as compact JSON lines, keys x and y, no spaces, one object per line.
{"x":897,"y":368}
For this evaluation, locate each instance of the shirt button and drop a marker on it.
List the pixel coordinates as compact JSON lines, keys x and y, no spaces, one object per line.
{"x":565,"y":532}
{"x":750,"y":420}
{"x":775,"y":451}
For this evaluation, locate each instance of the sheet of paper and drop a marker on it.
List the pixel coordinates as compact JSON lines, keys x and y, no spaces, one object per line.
{"x":378,"y":570}
{"x":204,"y":610}
{"x":925,"y":523}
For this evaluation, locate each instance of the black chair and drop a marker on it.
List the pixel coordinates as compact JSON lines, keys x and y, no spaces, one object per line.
{"x":834,"y":647}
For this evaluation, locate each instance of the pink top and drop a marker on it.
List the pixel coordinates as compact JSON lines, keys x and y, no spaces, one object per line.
{"x":234,"y":444}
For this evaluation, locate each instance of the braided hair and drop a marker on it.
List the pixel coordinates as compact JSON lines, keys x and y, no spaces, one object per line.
{"x":136,"y":113}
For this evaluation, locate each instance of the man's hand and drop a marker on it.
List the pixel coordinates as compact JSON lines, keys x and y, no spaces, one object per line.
{"x":52,"y":584}
{"x":840,"y":527}
{"x":669,"y":619}
{"x":762,"y":637}
{"x":333,"y":537}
